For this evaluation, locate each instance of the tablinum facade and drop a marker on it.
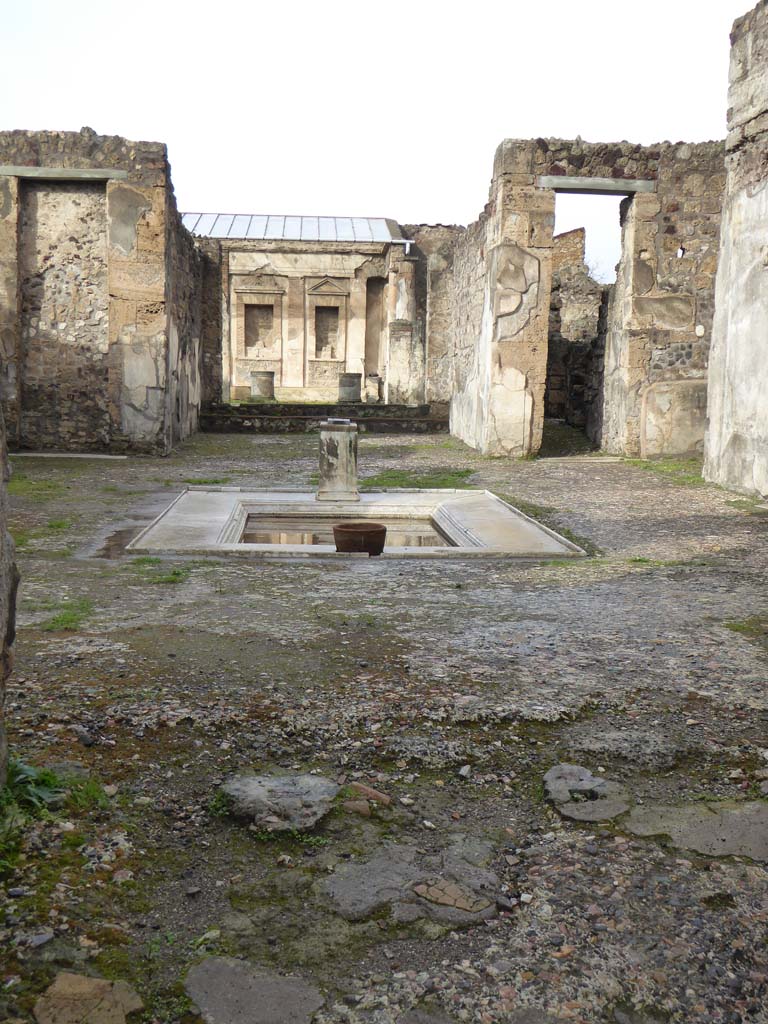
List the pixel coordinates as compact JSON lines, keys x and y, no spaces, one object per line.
{"x":117,"y":323}
{"x":310,"y":309}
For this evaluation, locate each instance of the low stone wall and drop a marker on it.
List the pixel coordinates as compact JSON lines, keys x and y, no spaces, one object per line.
{"x":737,"y":435}
{"x":9,"y":579}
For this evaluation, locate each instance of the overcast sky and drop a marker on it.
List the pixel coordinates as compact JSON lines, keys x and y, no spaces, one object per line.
{"x":352,"y":108}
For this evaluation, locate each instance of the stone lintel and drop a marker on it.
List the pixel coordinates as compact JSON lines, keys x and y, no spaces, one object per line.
{"x":594,"y":186}
{"x":64,"y":173}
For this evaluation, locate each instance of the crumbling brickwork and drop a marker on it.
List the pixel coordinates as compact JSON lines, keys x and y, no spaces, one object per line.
{"x":99,"y":333}
{"x":737,"y":434}
{"x":9,"y":580}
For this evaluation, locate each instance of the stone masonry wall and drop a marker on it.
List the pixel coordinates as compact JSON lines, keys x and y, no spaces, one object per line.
{"x":9,"y":580}
{"x":213,"y":289}
{"x":661,"y":321}
{"x":469,"y":370}
{"x":574,"y":313}
{"x":736,"y":452}
{"x":99,"y":257}
{"x":64,"y":315}
{"x":434,"y":248}
{"x":185,"y":302}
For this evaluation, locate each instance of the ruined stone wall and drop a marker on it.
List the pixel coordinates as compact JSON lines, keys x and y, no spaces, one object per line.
{"x":569,"y":249}
{"x":471,"y":340}
{"x":574,"y":313}
{"x":87,"y":296}
{"x":655,"y":370}
{"x":737,"y":435}
{"x":212,"y":292}
{"x":9,"y":579}
{"x":184,"y":296}
{"x":661,"y":321}
{"x":64,"y":322}
{"x":434,"y":246}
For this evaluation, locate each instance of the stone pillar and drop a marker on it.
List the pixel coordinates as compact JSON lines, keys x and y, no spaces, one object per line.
{"x":519,"y":269}
{"x":262,"y":384}
{"x":9,"y":579}
{"x":405,"y":363}
{"x":338,"y":461}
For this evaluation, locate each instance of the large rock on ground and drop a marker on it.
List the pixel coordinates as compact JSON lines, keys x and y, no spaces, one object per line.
{"x":280,"y":803}
{"x":76,"y":999}
{"x":228,"y":991}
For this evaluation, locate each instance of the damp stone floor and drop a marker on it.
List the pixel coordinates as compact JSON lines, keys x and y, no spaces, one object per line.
{"x":441,"y":883}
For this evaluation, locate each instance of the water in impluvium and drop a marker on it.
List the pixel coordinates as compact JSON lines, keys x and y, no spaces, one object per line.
{"x":401,"y":533}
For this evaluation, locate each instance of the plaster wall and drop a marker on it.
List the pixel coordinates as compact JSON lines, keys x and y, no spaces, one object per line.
{"x":736,"y":453}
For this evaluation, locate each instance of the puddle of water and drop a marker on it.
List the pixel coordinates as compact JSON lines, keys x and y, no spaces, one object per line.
{"x":115,"y":544}
{"x":401,"y":533}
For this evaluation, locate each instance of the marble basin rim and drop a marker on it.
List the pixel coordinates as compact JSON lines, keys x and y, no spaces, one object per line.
{"x":211,"y":520}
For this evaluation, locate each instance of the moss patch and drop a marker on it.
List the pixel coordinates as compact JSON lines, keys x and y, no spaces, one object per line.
{"x":421,"y":480}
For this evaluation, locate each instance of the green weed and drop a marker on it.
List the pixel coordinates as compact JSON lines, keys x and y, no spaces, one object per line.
{"x":428,"y":479}
{"x":70,"y":616}
{"x":59,"y":524}
{"x":204,"y":481}
{"x":22,"y":486}
{"x":686,"y":472}
{"x":755,"y":627}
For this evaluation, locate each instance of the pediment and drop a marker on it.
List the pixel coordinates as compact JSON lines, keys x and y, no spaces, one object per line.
{"x":327,"y":287}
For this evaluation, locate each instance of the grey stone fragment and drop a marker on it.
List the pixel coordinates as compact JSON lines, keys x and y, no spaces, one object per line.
{"x":280,"y":803}
{"x":455,"y":879}
{"x":359,"y":890}
{"x":229,"y":991}
{"x":423,"y":1017}
{"x":600,"y":799}
{"x":718,"y":829}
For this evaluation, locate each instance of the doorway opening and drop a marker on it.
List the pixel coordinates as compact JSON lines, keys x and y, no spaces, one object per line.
{"x":586,"y":251}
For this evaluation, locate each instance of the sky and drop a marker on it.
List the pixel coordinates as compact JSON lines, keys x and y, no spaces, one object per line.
{"x":351,"y":108}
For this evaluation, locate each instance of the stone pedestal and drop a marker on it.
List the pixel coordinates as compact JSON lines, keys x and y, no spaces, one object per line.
{"x":349,"y":387}
{"x":262,"y":384}
{"x":338,"y":461}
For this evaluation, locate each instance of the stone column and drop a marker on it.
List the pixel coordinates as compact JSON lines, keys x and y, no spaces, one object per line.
{"x":338,"y":461}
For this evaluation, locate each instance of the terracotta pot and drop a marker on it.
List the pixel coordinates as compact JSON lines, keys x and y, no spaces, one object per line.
{"x":360,"y":537}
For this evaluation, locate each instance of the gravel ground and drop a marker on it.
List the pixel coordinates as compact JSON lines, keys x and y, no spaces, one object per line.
{"x":449,"y":686}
